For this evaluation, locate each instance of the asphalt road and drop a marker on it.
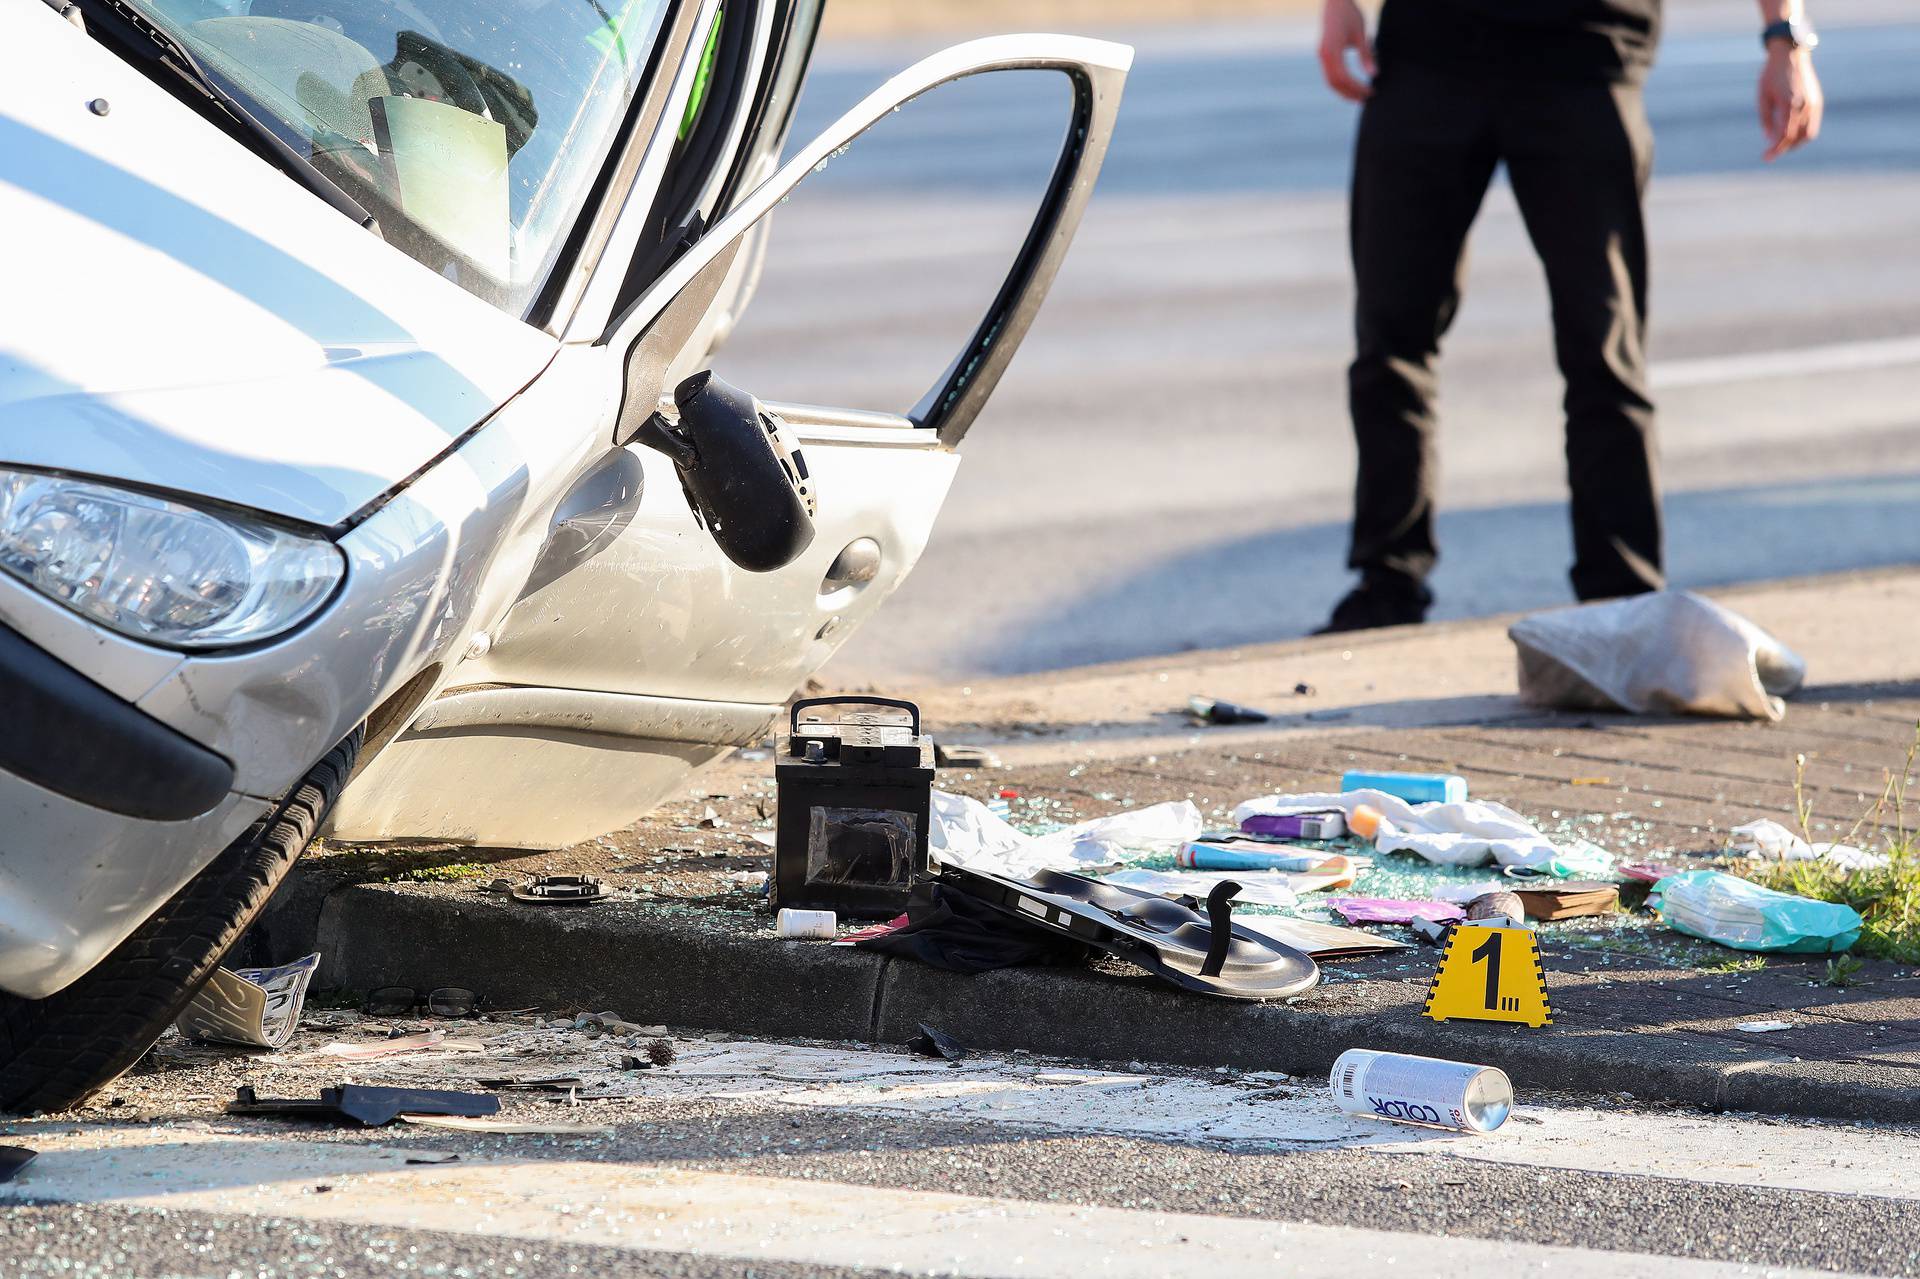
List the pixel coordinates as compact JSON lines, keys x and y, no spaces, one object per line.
{"x":774,"y":1161}
{"x":1168,"y":465}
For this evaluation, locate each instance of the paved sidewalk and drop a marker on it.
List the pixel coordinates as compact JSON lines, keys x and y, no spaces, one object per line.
{"x":1637,"y":1010}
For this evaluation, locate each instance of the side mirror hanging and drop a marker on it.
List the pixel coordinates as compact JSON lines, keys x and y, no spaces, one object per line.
{"x":743,"y":475}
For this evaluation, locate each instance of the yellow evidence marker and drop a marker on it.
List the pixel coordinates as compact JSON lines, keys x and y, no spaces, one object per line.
{"x":1490,"y":974}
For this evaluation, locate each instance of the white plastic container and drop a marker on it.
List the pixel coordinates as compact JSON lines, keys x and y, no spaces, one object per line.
{"x":807,"y":925}
{"x":1421,"y":1090}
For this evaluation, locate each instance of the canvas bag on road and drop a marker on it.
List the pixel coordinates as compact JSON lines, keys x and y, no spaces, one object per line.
{"x":1667,"y":652}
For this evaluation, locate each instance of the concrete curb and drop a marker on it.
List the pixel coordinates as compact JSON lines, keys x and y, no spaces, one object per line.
{"x":717,"y":970}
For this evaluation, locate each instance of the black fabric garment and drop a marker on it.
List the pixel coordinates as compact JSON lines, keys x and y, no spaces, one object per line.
{"x":954,"y":931}
{"x":1577,"y":153}
{"x":1523,"y":39}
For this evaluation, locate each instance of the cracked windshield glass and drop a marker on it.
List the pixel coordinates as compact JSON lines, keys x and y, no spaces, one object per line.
{"x":471,"y":129}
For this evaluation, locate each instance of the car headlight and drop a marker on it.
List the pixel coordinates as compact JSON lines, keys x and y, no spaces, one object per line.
{"x":158,"y":570}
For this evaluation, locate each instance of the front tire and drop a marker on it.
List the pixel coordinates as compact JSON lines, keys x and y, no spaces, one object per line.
{"x":58,"y":1051}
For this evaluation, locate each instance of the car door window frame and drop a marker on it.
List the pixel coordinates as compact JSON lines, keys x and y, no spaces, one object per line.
{"x":1096,"y":69}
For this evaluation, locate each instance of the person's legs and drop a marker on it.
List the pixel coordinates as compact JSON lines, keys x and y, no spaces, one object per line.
{"x":1578,"y":156}
{"x":1422,"y":162}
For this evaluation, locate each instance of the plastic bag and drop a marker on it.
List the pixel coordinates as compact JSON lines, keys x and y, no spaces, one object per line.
{"x":1719,"y":907}
{"x":1665,"y":652}
{"x":967,"y":833}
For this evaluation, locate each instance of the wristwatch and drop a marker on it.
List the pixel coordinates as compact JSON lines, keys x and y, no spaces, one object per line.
{"x":1797,"y":34}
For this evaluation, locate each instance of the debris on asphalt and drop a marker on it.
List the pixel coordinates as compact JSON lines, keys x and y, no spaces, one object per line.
{"x":1208,"y":710}
{"x":364,"y":1104}
{"x":1451,"y":833}
{"x":874,"y":930}
{"x":506,"y":1127}
{"x":854,"y":780}
{"x":661,"y":1052}
{"x":424,"y":1041}
{"x":1186,"y":942}
{"x":1327,"y":823}
{"x":1569,"y":900}
{"x":1718,"y":907}
{"x":401,"y":1001}
{"x":561,"y":890}
{"x":1768,"y":840}
{"x":1414,"y":788}
{"x":1665,"y":652}
{"x":1763,"y":1027}
{"x":1429,"y":931}
{"x":552,"y":1083}
{"x":1502,"y":906}
{"x":806,"y":925}
{"x":1648,"y":872}
{"x":1322,"y":941}
{"x":252,"y":1007}
{"x":1421,"y":1090}
{"x":1256,"y":854}
{"x":954,"y":755}
{"x":967,"y":833}
{"x":13,"y":1159}
{"x":936,"y":1043}
{"x":953,"y":930}
{"x":1382,"y":910}
{"x":1257,"y":888}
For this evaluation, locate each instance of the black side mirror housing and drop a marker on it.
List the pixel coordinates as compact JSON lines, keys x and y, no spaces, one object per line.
{"x":743,"y":474}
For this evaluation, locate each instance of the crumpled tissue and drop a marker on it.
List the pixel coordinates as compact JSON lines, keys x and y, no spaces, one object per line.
{"x":1768,"y":840}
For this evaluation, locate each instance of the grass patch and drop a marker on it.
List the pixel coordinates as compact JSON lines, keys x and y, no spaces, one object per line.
{"x":1888,"y":899}
{"x":451,"y":873}
{"x":1737,"y":964}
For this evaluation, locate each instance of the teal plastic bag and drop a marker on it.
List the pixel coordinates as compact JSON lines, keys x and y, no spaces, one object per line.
{"x":1737,"y":912}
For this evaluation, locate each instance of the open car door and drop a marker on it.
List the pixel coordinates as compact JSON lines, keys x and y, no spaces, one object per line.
{"x":714,"y":551}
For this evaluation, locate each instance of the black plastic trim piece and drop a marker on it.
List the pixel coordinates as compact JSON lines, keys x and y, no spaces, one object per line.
{"x":68,"y":735}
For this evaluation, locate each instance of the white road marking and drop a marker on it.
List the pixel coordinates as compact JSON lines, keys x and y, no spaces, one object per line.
{"x":1754,"y":366}
{"x":707,"y":1214}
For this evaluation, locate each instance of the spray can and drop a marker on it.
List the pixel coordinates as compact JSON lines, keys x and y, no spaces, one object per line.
{"x":807,"y":925}
{"x":1421,"y":1090}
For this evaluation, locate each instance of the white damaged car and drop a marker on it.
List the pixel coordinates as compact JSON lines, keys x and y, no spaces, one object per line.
{"x":358,"y":447}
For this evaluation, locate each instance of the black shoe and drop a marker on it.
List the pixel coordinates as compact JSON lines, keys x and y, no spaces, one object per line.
{"x":1373,"y":604}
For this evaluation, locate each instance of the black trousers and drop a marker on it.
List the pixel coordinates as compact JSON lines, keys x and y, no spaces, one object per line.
{"x":1577,"y":155}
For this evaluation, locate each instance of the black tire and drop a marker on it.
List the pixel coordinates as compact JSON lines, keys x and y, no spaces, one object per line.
{"x":58,"y":1051}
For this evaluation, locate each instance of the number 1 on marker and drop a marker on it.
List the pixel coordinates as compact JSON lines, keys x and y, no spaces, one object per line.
{"x":1489,"y":950}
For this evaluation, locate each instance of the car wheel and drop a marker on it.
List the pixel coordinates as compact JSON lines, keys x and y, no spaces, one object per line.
{"x":58,"y":1051}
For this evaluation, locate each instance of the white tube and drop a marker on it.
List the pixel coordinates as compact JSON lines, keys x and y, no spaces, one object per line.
{"x":807,"y":925}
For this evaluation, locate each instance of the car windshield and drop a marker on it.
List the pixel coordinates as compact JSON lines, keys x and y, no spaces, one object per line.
{"x":471,"y":129}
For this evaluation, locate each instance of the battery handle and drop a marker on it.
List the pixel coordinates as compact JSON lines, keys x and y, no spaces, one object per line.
{"x":897,"y":703}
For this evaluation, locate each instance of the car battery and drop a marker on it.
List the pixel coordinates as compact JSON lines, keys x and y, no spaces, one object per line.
{"x":855,"y":783}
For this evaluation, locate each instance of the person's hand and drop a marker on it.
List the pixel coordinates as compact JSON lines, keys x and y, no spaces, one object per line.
{"x":1791,"y":103}
{"x":1344,"y":27}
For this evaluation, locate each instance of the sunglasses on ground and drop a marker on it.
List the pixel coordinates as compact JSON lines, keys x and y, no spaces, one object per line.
{"x":400,"y":1001}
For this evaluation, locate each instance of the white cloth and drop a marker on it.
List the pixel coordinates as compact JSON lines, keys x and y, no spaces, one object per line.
{"x":1470,"y":833}
{"x":1665,"y":652}
{"x":1768,"y":840}
{"x":968,"y":833}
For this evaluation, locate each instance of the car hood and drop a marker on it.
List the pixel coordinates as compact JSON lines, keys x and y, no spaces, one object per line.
{"x":180,"y":314}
